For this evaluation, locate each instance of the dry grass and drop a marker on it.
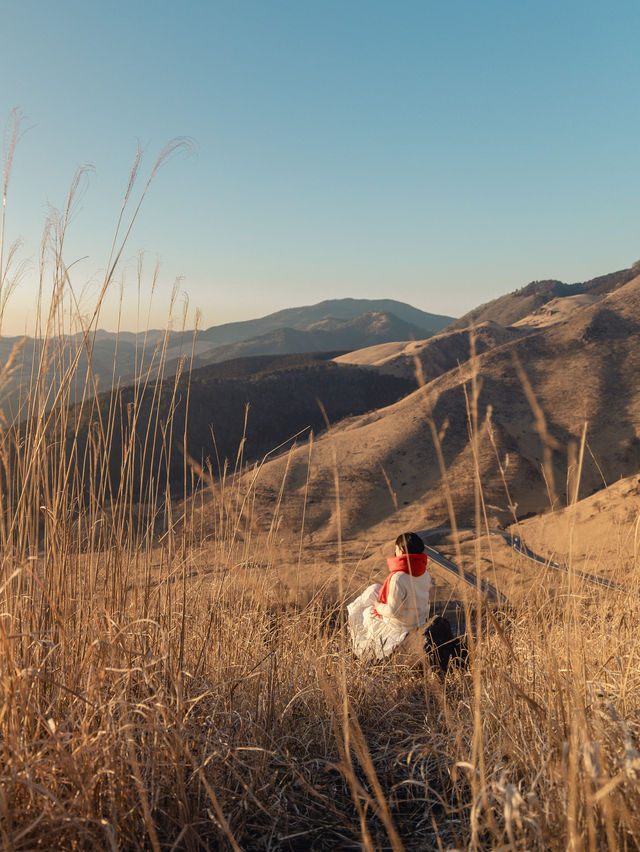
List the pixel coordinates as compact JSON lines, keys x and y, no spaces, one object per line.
{"x":267,"y":734}
{"x":155,"y":693}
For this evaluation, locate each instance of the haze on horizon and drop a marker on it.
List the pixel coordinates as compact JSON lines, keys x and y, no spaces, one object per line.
{"x":441,"y":155}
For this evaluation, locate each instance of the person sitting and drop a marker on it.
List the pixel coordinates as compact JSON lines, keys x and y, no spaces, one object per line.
{"x":382,"y":616}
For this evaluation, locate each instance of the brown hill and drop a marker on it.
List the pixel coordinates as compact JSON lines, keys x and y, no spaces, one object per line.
{"x":582,"y":370}
{"x":598,"y":534}
{"x":514,"y":307}
{"x":556,"y":310}
{"x":435,"y":356}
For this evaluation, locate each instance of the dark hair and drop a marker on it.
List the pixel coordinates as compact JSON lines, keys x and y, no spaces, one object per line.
{"x":410,"y":542}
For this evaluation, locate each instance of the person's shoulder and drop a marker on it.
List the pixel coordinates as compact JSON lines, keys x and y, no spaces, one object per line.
{"x":409,"y":578}
{"x":403,"y":579}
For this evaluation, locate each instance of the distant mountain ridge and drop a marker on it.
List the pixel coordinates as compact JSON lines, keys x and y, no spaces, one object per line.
{"x":117,"y":358}
{"x":248,"y":404}
{"x":368,"y":329}
{"x":340,"y":309}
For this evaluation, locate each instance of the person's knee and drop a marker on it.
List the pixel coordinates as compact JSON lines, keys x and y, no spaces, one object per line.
{"x":443,"y":645}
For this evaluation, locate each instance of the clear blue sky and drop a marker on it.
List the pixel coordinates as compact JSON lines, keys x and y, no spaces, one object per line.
{"x":441,"y":153}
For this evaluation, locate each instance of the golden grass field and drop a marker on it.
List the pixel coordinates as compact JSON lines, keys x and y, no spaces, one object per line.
{"x":175,"y":671}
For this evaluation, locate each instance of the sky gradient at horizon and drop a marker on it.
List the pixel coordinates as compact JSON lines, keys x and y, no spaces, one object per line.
{"x":440,"y":154}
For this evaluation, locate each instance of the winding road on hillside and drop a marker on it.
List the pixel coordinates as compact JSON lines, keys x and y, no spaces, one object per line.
{"x":515,"y":542}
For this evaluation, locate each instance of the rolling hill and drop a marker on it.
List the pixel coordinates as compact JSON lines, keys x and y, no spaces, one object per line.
{"x":435,"y":356}
{"x":514,"y":307}
{"x":583,"y":372}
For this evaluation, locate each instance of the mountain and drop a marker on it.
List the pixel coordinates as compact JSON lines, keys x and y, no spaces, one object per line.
{"x":324,"y":335}
{"x":582,"y":370}
{"x":339,"y":309}
{"x":582,"y":365}
{"x":337,"y":324}
{"x":515,"y":307}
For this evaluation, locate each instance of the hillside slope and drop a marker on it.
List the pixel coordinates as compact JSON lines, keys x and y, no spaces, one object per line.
{"x":599,"y":532}
{"x":248,"y":406}
{"x":582,"y":370}
{"x":514,"y":307}
{"x":435,"y":356}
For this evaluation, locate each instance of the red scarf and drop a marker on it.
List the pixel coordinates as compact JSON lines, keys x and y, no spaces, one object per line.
{"x":414,"y":564}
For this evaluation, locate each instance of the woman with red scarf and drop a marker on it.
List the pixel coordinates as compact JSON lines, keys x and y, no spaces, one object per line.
{"x":381,"y":617}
